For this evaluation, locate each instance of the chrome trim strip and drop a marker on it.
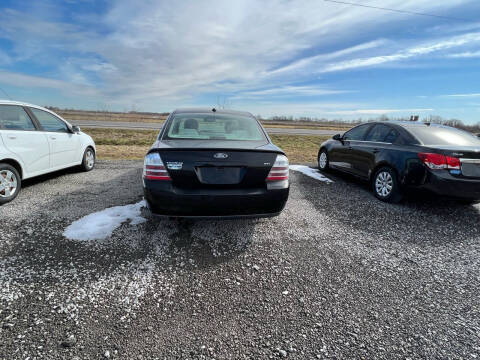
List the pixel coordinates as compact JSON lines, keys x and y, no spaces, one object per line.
{"x":470,"y":161}
{"x":373,"y":142}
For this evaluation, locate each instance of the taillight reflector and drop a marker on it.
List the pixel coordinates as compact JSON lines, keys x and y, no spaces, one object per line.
{"x":279,"y":170}
{"x":153,"y":168}
{"x":439,"y":161}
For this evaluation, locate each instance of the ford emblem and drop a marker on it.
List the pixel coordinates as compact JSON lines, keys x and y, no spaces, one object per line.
{"x":220,"y":156}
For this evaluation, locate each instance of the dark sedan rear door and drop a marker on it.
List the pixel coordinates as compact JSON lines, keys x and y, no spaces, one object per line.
{"x":343,"y":155}
{"x":364,"y":153}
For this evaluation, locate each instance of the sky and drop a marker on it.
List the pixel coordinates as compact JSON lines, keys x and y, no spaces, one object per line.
{"x":272,"y":57}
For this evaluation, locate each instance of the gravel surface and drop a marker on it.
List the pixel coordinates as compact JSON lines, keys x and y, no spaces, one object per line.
{"x":337,"y":275}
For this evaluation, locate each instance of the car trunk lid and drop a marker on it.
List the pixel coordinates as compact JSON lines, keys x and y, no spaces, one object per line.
{"x":469,"y":158}
{"x":218,"y":168}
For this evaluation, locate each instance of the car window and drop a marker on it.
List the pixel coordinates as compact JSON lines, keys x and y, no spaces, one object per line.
{"x":357,"y":133}
{"x":393,"y":137}
{"x":378,"y":133}
{"x":443,"y":135}
{"x":214,"y":127}
{"x":49,"y":122}
{"x":13,"y":117}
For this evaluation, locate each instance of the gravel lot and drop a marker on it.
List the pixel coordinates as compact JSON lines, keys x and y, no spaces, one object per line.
{"x":337,"y":275}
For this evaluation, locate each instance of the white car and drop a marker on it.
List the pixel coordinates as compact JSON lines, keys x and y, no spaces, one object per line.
{"x":35,"y":141}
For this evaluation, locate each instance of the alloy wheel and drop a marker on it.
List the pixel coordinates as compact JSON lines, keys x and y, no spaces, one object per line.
{"x":384,"y":183}
{"x":322,"y":160}
{"x":90,"y":159}
{"x":8,"y":183}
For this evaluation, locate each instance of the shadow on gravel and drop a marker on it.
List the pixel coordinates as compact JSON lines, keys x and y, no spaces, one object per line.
{"x":204,"y":243}
{"x":421,"y":216}
{"x":40,"y":247}
{"x":42,"y":178}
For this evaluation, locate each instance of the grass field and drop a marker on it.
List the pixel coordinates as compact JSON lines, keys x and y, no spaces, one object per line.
{"x":134,"y":144}
{"x":78,"y":115}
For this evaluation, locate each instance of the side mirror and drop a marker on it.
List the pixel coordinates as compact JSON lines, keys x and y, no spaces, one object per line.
{"x":337,"y":137}
{"x":75,"y":129}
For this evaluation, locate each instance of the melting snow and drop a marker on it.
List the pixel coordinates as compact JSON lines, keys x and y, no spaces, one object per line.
{"x":101,"y":224}
{"x":314,"y":173}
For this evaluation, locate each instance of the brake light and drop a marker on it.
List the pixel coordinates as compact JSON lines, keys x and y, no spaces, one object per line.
{"x":453,"y":163}
{"x":277,"y":178}
{"x":154,"y":169}
{"x":439,"y":161}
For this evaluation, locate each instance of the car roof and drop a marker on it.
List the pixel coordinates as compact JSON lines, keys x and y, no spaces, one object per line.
{"x":203,"y":110}
{"x":411,"y":124}
{"x":21,"y":103}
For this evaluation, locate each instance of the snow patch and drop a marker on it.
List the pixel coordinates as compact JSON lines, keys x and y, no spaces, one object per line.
{"x":314,"y":173}
{"x":101,"y":224}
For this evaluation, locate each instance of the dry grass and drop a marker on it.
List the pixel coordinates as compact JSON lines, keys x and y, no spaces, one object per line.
{"x":299,"y":148}
{"x":160,"y":118}
{"x":126,"y":152}
{"x":133,"y":144}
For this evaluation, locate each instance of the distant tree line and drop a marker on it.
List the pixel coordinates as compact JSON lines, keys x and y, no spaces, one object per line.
{"x":434,"y":119}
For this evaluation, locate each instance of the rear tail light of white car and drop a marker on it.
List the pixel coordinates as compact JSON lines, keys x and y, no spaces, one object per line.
{"x":154,"y":169}
{"x":278,"y":176}
{"x":439,"y":161}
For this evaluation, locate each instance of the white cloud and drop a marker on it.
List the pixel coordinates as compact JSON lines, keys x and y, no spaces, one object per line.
{"x":28,"y":81}
{"x":170,"y":52}
{"x":466,"y":54}
{"x":416,"y":51}
{"x":377,"y":111}
{"x":463,"y":95}
{"x":287,"y":91}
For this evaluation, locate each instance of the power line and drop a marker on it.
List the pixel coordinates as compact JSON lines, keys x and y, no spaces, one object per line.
{"x":5,"y":93}
{"x":396,"y":10}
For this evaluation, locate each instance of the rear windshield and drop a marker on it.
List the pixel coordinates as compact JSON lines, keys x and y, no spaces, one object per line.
{"x":213,"y":126}
{"x":444,"y":136}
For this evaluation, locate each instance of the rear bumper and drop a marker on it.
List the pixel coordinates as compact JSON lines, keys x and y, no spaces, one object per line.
{"x":444,"y":184}
{"x":164,"y":199}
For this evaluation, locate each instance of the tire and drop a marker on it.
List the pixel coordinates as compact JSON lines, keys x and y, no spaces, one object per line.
{"x":322,"y":160}
{"x":10,"y":183}
{"x":385,"y":185}
{"x":89,"y":159}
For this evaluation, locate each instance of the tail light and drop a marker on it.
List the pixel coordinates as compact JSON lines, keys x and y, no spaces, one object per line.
{"x":439,"y":161}
{"x":154,"y":169}
{"x":277,"y":178}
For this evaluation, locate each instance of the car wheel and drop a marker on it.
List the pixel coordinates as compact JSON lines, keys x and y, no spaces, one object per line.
{"x":10,"y":183}
{"x":385,"y":185}
{"x":88,"y":160}
{"x":323,"y":160}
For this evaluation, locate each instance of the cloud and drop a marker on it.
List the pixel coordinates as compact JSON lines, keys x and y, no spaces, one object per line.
{"x":29,"y":81}
{"x":287,"y":91}
{"x":4,"y":58}
{"x":377,"y":111}
{"x":467,"y":54}
{"x":463,"y":95}
{"x":312,"y":60}
{"x":171,"y":53}
{"x":416,"y":51}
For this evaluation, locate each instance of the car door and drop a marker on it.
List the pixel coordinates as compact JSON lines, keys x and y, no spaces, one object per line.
{"x":343,"y":156}
{"x":365,"y":152}
{"x":21,"y":137}
{"x":64,"y":145}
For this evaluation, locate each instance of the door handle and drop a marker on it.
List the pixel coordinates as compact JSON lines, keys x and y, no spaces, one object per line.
{"x":350,"y":148}
{"x":13,"y":137}
{"x":375,"y":151}
{"x":53,"y":137}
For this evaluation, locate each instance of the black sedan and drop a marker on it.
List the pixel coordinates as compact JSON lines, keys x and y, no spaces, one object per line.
{"x":397,"y":156}
{"x":215,"y":163}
